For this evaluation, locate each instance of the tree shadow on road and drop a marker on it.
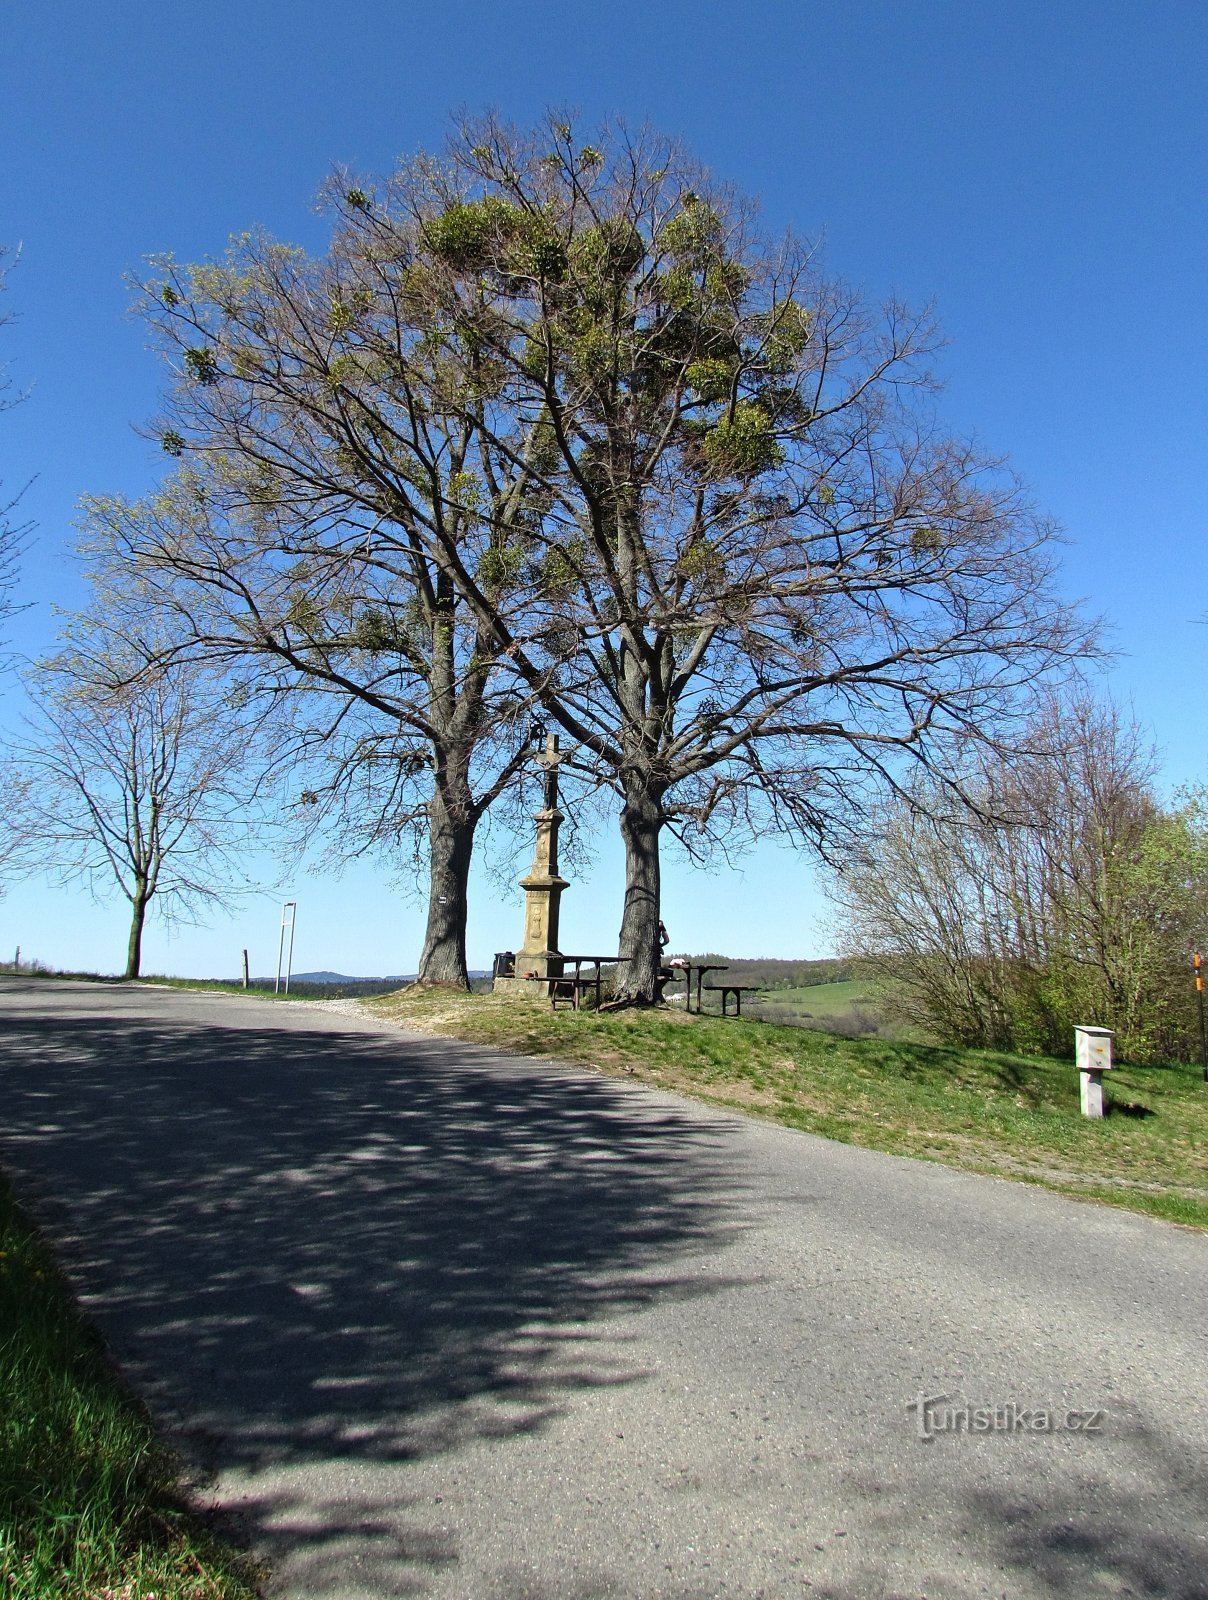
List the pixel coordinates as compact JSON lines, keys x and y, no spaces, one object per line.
{"x":310,"y":1246}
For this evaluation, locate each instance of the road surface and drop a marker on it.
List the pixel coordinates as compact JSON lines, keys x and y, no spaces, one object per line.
{"x":442,"y":1322}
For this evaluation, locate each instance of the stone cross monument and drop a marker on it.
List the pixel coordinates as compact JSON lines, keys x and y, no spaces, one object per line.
{"x":542,"y":885}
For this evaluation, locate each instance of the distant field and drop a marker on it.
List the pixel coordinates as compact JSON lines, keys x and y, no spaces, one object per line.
{"x":822,"y":999}
{"x":855,"y":1006}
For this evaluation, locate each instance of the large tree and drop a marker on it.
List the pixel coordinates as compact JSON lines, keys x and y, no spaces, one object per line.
{"x":763,"y":578}
{"x":556,"y":411}
{"x":336,"y":484}
{"x":387,"y":719}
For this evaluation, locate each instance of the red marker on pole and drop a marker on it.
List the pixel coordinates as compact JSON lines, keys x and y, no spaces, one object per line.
{"x":1199,"y":997}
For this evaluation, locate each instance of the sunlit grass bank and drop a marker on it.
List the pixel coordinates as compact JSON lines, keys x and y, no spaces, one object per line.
{"x":89,"y":1504}
{"x":1012,"y":1116}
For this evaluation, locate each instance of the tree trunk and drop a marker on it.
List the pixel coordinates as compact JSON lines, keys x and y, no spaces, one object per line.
{"x":640,"y":948}
{"x":451,"y":824}
{"x":134,"y":950}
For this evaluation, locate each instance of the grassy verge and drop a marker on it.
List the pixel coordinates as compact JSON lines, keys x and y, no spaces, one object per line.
{"x":89,"y":1503}
{"x":261,"y":991}
{"x":1011,"y":1116}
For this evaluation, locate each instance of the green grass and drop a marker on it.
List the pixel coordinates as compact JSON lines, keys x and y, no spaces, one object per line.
{"x":1013,"y":1116}
{"x":89,"y":1502}
{"x":823,"y":999}
{"x":854,"y":1006}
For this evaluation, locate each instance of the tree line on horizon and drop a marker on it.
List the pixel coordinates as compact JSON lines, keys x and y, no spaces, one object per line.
{"x":551,"y":431}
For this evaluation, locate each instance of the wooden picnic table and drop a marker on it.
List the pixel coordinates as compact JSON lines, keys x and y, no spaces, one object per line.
{"x":735,"y":989}
{"x":578,"y":984}
{"x":701,"y":968}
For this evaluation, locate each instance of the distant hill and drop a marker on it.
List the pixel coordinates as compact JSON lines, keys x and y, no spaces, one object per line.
{"x":344,"y":977}
{"x":771,"y":973}
{"x":339,"y":985}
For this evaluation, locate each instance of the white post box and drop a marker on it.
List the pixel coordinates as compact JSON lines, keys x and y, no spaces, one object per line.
{"x":1093,"y":1054}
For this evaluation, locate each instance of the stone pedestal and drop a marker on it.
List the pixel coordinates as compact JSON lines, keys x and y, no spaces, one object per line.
{"x":543,"y":888}
{"x":537,"y":957}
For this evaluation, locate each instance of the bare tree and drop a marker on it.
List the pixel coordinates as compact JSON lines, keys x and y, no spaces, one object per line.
{"x":336,"y":481}
{"x":763,"y":580}
{"x":1068,"y":895}
{"x":134,"y":779}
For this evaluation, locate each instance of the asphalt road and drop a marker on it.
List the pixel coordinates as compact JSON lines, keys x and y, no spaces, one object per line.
{"x":443,"y":1322}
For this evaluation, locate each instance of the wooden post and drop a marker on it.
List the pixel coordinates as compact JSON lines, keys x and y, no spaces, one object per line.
{"x":245,"y":984}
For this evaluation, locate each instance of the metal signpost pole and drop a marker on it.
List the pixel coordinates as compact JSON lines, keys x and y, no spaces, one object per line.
{"x":1199,"y":996}
{"x":293,"y":920}
{"x":289,"y":914}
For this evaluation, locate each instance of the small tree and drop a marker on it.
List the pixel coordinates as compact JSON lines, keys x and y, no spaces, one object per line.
{"x":1065,"y":894}
{"x":134,"y":779}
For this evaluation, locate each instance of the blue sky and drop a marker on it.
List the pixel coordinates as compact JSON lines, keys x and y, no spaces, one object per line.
{"x":1037,"y":169}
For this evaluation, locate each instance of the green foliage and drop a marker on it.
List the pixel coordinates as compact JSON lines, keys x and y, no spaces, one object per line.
{"x":701,"y":559}
{"x":594,"y":354}
{"x":342,"y":316}
{"x":373,"y":632}
{"x":786,"y":332}
{"x":499,"y":567}
{"x":303,"y":613}
{"x":694,"y":234}
{"x":465,"y":492}
{"x":677,"y":289}
{"x":169,"y":296}
{"x":358,"y":199}
{"x":726,"y":282}
{"x":926,"y":541}
{"x":540,"y":252}
{"x":710,"y":378}
{"x":1081,"y":905}
{"x":561,"y":567}
{"x":171,"y":442}
{"x":201,"y":365}
{"x":612,"y":250}
{"x":743,"y":445}
{"x":469,"y":235}
{"x":491,"y":234}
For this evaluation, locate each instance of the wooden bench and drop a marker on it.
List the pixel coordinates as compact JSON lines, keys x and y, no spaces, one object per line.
{"x":735,"y":989}
{"x":568,"y":988}
{"x":570,"y":991}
